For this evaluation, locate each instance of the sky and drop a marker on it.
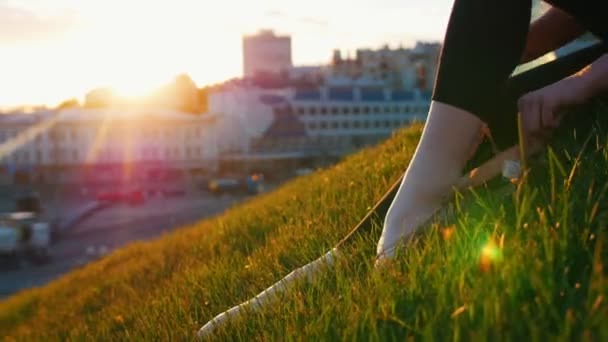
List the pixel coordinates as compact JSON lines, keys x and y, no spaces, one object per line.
{"x":52,"y":50}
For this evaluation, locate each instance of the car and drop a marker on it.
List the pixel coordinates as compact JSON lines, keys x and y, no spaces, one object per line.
{"x":23,"y":233}
{"x":252,"y":184}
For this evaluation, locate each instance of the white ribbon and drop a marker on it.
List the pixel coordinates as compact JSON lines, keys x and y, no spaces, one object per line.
{"x":267,"y":296}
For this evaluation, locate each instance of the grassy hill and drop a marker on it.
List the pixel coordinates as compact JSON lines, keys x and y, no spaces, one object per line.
{"x":524,"y":264}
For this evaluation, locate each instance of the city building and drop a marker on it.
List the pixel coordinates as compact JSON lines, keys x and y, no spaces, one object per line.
{"x":90,"y":144}
{"x":339,"y":120}
{"x":399,"y":68}
{"x":242,"y":116}
{"x":274,"y":130}
{"x":266,"y":54}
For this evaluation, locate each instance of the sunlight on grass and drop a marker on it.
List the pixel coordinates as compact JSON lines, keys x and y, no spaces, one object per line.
{"x":526,"y":263}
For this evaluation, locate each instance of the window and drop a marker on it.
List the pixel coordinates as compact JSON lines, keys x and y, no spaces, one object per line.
{"x":345,"y":110}
{"x":323,"y":110}
{"x":376,"y":109}
{"x":366,"y":110}
{"x":376,"y":124}
{"x":356,"y":124}
{"x":313,"y":110}
{"x":406,"y":109}
{"x":312,"y":125}
{"x":334,"y":125}
{"x":387,"y":124}
{"x":387,"y":109}
{"x":365,"y":124}
{"x":356,"y":110}
{"x":334,"y":110}
{"x":397,"y":123}
{"x":323,"y":125}
{"x":396,"y":109}
{"x":345,"y":124}
{"x":301,"y":111}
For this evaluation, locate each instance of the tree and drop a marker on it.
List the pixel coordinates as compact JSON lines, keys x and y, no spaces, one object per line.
{"x":69,"y":103}
{"x":99,"y":98}
{"x":181,"y":94}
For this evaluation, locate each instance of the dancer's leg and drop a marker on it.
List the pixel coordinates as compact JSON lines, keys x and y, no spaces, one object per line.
{"x":444,"y":147}
{"x":483,"y":44}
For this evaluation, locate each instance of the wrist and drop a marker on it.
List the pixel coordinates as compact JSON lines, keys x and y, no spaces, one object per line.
{"x":583,"y":85}
{"x":593,"y":79}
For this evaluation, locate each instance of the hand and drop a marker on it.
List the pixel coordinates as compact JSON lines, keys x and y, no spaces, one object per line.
{"x":540,"y":109}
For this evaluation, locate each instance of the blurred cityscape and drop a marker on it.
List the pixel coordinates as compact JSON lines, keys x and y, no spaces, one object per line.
{"x":81,"y":179}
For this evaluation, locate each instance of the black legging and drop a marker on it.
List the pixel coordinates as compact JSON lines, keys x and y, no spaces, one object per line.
{"x":484,"y":43}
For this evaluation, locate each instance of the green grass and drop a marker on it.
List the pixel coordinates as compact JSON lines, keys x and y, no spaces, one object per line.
{"x":544,"y":280}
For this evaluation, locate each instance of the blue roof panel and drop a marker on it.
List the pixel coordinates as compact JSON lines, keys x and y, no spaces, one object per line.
{"x":308,"y":95}
{"x":400,"y":95}
{"x":341,"y":94}
{"x":372,"y":94}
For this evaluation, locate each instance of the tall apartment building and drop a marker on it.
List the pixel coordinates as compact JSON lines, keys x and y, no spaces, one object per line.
{"x":266,"y":53}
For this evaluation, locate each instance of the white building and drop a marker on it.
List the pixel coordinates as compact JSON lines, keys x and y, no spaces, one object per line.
{"x":266,"y":53}
{"x":317,"y":119}
{"x":338,"y":120}
{"x":107,"y":138}
{"x":241,"y":115}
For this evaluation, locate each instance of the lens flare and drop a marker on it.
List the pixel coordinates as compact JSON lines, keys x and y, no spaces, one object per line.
{"x":448,"y":232}
{"x":491,"y":255}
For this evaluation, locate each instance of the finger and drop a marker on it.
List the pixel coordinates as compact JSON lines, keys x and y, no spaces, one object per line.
{"x":542,"y":135}
{"x":531,"y":117}
{"x":558,"y":116}
{"x":549,"y":119}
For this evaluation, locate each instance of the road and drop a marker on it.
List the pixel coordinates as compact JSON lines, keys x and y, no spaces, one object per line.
{"x":109,"y":229}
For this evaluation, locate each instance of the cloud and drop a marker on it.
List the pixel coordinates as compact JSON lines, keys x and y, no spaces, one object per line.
{"x":21,"y":25}
{"x":313,"y":21}
{"x":275,"y":13}
{"x":304,"y":20}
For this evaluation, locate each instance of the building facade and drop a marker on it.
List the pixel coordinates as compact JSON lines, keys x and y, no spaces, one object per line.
{"x":269,"y":130}
{"x":399,"y":68}
{"x":64,"y":143}
{"x":266,"y":53}
{"x":339,"y":120}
